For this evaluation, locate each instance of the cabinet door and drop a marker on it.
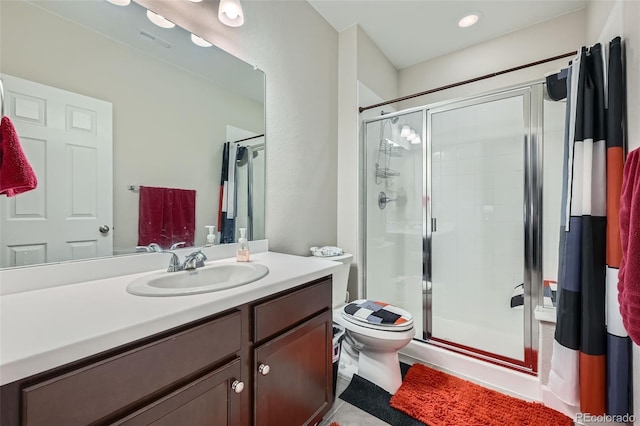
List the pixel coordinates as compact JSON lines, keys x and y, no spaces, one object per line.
{"x":293,"y":375}
{"x":211,"y":400}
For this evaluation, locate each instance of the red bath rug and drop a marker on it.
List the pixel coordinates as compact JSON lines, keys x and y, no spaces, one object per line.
{"x":439,"y":399}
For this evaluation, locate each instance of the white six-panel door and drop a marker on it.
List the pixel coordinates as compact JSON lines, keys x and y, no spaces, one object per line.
{"x":67,"y":139}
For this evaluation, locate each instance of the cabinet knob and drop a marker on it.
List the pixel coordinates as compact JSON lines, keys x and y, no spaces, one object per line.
{"x":237,"y":386}
{"x":264,"y":369}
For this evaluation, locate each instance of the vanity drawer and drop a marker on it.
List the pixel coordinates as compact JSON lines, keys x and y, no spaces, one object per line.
{"x":273,"y":316}
{"x":91,"y":393}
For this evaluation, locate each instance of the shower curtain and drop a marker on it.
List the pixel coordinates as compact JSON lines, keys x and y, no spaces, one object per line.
{"x":226,"y":218}
{"x":228,"y":200}
{"x":590,"y":365}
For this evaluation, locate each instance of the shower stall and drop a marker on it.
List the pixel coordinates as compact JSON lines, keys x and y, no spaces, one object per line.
{"x":453,"y":218}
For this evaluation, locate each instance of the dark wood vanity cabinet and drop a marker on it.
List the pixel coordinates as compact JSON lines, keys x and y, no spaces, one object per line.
{"x":293,"y":372}
{"x":209,"y":400}
{"x":293,"y":382}
{"x":266,"y":363}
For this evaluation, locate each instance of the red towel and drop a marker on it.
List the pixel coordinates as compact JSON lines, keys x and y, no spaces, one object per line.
{"x":166,"y":216}
{"x":629,"y":274}
{"x":16,"y":174}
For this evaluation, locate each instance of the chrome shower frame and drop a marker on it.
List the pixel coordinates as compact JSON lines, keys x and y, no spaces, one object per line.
{"x":532,"y":214}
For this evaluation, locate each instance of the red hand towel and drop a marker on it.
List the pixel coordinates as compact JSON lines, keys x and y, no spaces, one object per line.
{"x":16,"y":174}
{"x":166,"y":216}
{"x":629,"y":274}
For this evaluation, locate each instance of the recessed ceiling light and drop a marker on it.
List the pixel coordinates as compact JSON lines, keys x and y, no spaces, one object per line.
{"x":120,"y":2}
{"x":469,"y":19}
{"x":160,"y":21}
{"x":200,"y":41}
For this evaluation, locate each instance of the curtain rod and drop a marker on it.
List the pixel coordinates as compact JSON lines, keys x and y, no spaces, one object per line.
{"x":472,"y":80}
{"x":249,"y":138}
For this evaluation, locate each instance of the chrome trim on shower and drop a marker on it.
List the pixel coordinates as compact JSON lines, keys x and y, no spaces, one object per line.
{"x":528,"y":212}
{"x":532,"y":214}
{"x":534,"y":292}
{"x":362,"y":209}
{"x":427,"y":229}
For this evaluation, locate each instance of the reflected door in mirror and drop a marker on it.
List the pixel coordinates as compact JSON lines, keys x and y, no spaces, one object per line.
{"x":68,"y":141}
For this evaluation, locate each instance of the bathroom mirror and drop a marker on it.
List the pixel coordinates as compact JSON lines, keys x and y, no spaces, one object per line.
{"x":160,"y":109}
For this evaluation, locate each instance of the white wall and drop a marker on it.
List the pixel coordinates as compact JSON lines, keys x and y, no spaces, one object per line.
{"x":186,"y":153}
{"x":361,"y":63}
{"x":298,"y":51}
{"x":374,"y":69}
{"x":547,"y":39}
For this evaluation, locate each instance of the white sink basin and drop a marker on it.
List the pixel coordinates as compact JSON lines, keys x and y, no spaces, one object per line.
{"x":202,"y":280}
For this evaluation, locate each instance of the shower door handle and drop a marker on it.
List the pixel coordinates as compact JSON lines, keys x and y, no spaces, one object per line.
{"x":433,"y":224}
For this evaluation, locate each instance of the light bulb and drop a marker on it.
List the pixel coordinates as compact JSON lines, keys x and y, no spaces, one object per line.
{"x":200,"y":41}
{"x":160,"y":21}
{"x":230,"y":13}
{"x":405,"y":131}
{"x":415,"y":140}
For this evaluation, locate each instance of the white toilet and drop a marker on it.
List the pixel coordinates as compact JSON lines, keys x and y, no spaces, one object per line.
{"x":377,"y":331}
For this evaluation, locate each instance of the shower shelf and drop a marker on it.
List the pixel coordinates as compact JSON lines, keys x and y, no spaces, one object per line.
{"x":389,"y":149}
{"x":386,"y":150}
{"x":385,"y":172}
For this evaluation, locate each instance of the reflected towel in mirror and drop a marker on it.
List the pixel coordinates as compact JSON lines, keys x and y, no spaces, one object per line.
{"x":16,"y":174}
{"x":166,"y":216}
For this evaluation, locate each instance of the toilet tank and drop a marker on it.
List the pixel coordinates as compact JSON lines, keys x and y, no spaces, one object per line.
{"x":341,"y":279}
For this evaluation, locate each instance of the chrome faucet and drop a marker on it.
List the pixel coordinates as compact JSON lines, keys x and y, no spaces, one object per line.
{"x":176,"y":245}
{"x":151,"y":248}
{"x":194,"y":260}
{"x":191,"y":262}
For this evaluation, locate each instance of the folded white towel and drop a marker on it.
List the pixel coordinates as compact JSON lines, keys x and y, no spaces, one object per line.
{"x":326,"y":251}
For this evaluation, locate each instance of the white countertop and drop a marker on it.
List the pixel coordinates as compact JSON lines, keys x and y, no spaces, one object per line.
{"x":46,"y":328}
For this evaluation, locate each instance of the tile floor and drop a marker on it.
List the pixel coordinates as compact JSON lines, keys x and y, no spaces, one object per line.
{"x":346,"y":414}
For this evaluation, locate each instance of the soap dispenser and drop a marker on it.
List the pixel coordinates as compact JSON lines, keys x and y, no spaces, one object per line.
{"x":211,"y":236}
{"x":242,"y":255}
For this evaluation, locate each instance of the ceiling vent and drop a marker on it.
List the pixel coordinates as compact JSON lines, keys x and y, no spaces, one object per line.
{"x":155,"y":39}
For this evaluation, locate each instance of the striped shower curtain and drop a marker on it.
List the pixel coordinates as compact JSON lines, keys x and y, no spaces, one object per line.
{"x":590,"y":365}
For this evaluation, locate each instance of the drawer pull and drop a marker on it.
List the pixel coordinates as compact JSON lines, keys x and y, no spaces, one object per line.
{"x":237,"y":386}
{"x":264,"y":369}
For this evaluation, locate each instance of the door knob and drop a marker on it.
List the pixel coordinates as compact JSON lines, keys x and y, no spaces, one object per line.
{"x":264,"y":369}
{"x":237,"y":386}
{"x":104,"y":229}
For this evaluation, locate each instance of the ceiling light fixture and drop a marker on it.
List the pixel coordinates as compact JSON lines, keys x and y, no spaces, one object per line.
{"x":469,"y":19}
{"x":160,"y":21}
{"x":230,"y":13}
{"x":200,"y":41}
{"x":120,"y":2}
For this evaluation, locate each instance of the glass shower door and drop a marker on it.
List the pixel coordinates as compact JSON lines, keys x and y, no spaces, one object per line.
{"x":394,"y":220}
{"x":476,"y":154}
